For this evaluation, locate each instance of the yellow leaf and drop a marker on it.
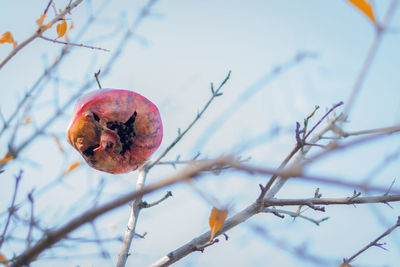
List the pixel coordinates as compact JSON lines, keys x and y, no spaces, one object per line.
{"x":216,"y":220}
{"x":365,"y":7}
{"x":40,"y":22}
{"x":3,"y":260}
{"x":61,"y":29}
{"x":7,"y":38}
{"x":8,"y":157}
{"x":58,"y":143}
{"x":72,"y":167}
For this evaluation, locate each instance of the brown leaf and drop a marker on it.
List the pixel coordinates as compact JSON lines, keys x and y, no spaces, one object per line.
{"x":365,"y":7}
{"x":216,"y":220}
{"x":7,"y":38}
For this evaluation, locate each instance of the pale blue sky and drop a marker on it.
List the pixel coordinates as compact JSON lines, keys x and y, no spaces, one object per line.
{"x":179,"y":51}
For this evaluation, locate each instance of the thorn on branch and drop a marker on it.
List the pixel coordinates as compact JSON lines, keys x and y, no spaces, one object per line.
{"x":390,"y":187}
{"x":354,"y":196}
{"x":317,"y":194}
{"x":141,"y":235}
{"x":277,"y":214}
{"x":226,"y":236}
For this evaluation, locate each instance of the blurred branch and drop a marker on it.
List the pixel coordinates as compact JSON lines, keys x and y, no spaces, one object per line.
{"x":53,"y":236}
{"x":73,"y":44}
{"x":370,"y":57}
{"x":39,"y":32}
{"x":374,"y":243}
{"x":275,"y":72}
{"x":12,"y":209}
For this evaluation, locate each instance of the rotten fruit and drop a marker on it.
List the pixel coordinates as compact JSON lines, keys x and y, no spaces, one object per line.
{"x":115,"y":131}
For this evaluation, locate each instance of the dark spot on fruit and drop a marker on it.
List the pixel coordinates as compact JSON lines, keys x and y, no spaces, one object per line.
{"x":96,"y":117}
{"x":89,"y":151}
{"x":125,"y":131}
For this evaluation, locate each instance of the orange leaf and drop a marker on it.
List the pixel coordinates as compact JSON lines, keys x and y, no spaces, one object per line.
{"x":28,"y":120}
{"x":3,"y":260}
{"x":72,"y":167}
{"x":216,"y":220}
{"x":7,"y":38}
{"x":40,"y":22}
{"x":61,"y":29}
{"x":8,"y":157}
{"x":58,"y":143}
{"x":70,"y":28}
{"x":365,"y":7}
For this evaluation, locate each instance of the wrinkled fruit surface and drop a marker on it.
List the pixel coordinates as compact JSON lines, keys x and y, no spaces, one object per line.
{"x":115,"y":131}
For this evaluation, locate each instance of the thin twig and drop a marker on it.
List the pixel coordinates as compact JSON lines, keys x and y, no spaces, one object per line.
{"x":72,"y":44}
{"x":295,"y":215}
{"x":38,"y":33}
{"x":299,"y":146}
{"x":12,"y":209}
{"x":96,"y":76}
{"x":31,"y":220}
{"x":374,"y":242}
{"x":145,"y":205}
{"x":370,"y":57}
{"x":215,"y":93}
{"x":53,"y":236}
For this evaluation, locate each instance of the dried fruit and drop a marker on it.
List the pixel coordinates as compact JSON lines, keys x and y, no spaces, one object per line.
{"x":115,"y":131}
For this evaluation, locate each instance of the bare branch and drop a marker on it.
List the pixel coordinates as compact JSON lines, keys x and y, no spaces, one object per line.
{"x":39,"y":32}
{"x":12,"y":209}
{"x":73,"y":44}
{"x":370,"y":57}
{"x":133,"y":218}
{"x":54,"y":236}
{"x":215,"y":93}
{"x":374,"y":242}
{"x":145,"y":205}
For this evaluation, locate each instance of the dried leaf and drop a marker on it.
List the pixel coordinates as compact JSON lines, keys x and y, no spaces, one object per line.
{"x":72,"y":167}
{"x":61,"y":29}
{"x":3,"y":260}
{"x":365,"y":7}
{"x":8,"y":157}
{"x":216,"y":220}
{"x":7,"y":38}
{"x":71,"y":26}
{"x":40,"y":22}
{"x":58,"y":143}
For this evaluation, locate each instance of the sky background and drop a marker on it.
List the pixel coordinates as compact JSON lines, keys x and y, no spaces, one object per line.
{"x":177,"y":52}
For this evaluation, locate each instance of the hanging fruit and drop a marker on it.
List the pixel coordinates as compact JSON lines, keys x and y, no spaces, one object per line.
{"x":115,"y":131}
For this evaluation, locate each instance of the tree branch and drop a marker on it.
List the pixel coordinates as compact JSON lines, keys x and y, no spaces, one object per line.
{"x":53,"y":236}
